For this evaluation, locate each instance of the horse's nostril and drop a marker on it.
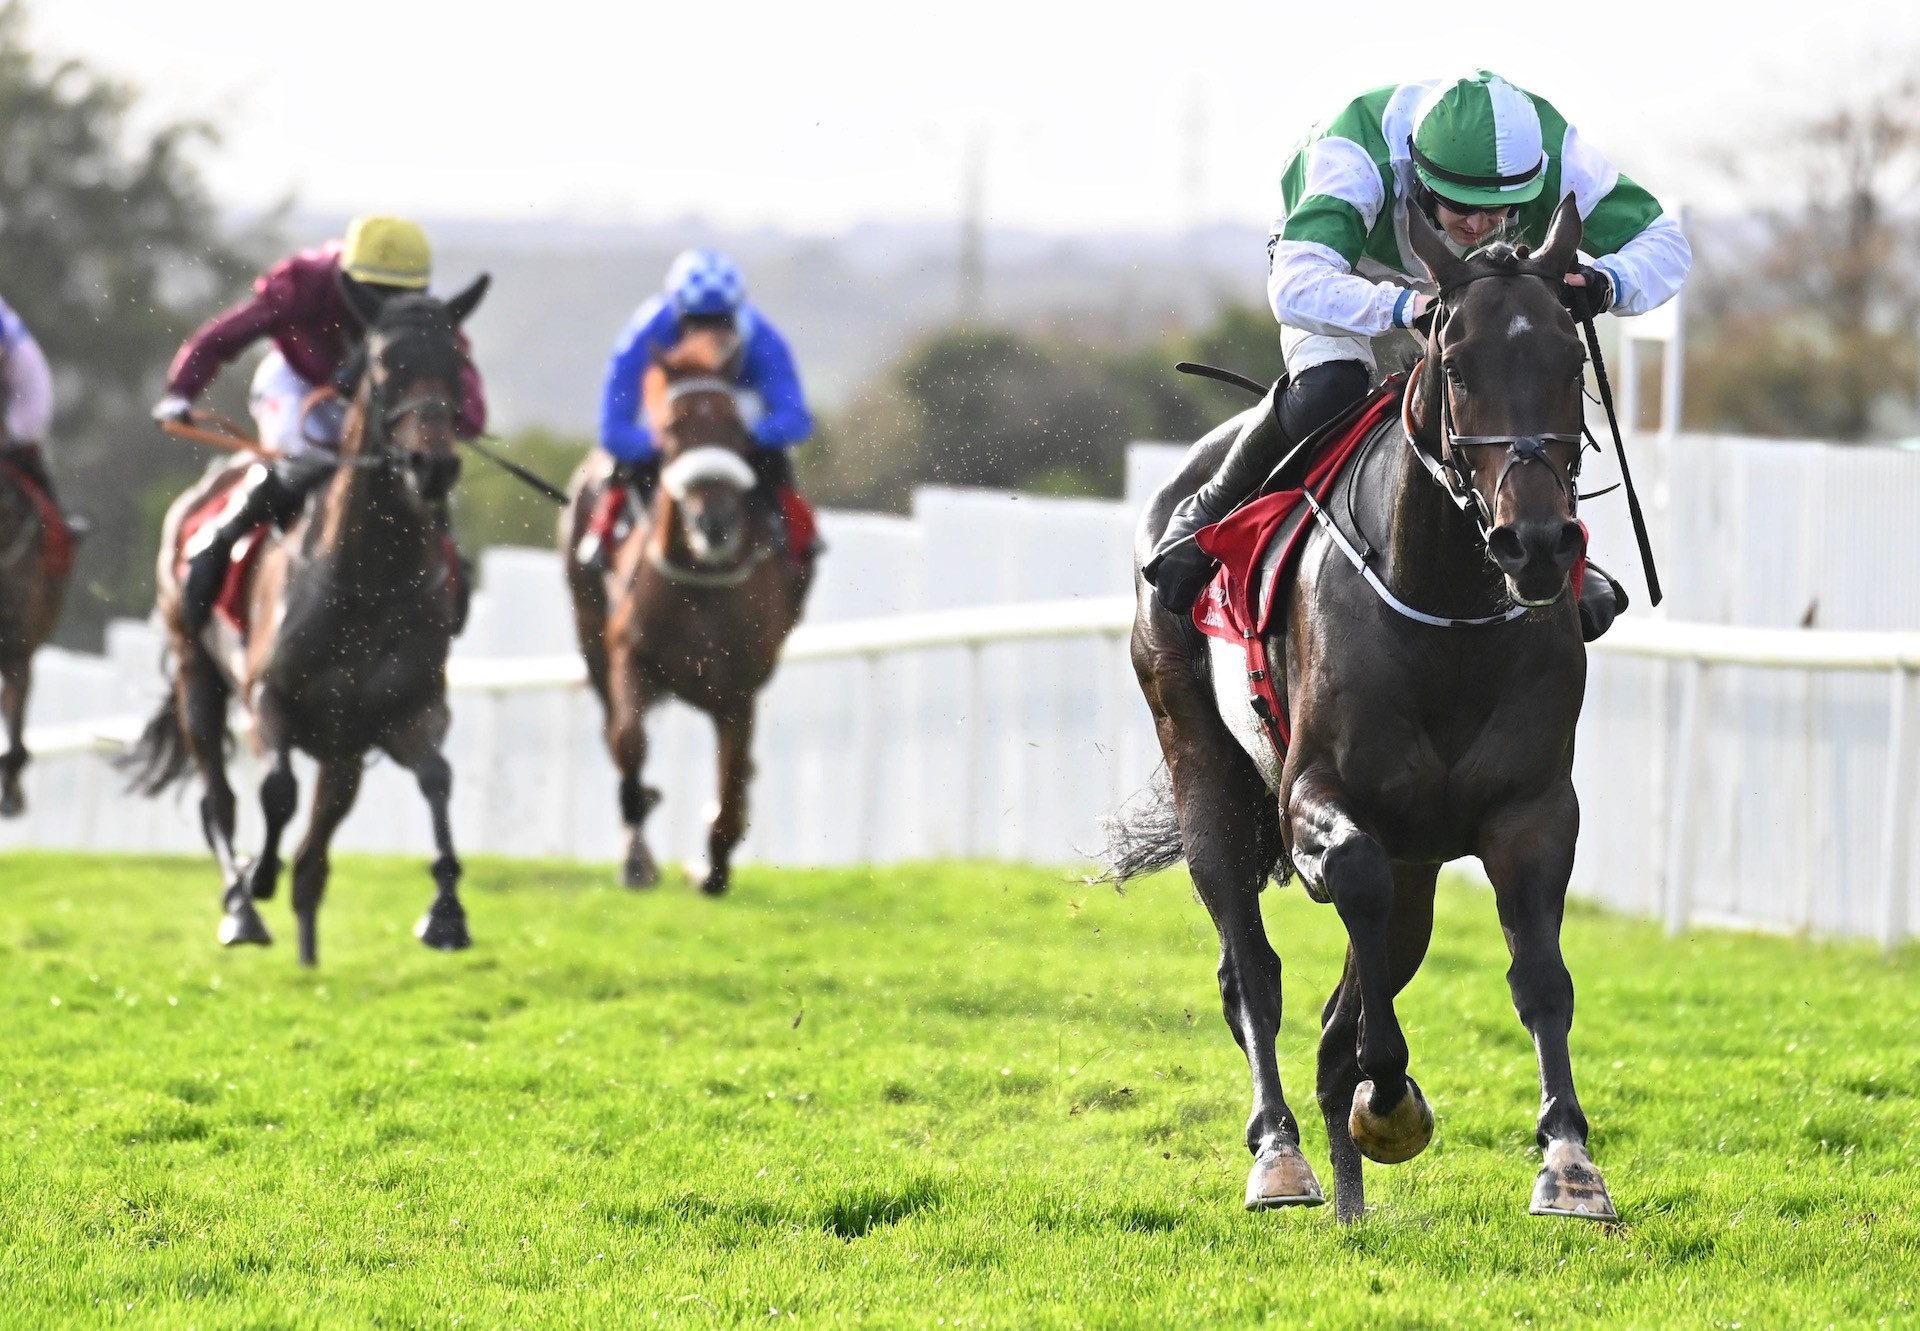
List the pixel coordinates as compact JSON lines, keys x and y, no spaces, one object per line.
{"x":1507,"y":549}
{"x":1572,"y":541}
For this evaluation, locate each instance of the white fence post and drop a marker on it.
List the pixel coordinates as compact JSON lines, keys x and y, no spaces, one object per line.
{"x":1685,"y":833}
{"x":1895,"y":837}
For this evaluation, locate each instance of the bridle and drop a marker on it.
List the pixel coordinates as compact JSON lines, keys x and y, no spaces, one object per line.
{"x":1449,"y":469}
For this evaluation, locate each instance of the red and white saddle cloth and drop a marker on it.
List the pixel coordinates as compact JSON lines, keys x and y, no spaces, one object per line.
{"x":232,"y":603}
{"x":56,"y":538}
{"x":1258,"y":544}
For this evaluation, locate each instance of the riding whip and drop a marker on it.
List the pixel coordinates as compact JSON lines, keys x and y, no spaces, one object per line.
{"x":518,"y":472}
{"x":1626,"y":476}
{"x":225,"y":436}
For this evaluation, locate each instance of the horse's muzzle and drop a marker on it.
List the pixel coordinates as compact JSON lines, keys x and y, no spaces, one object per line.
{"x":1537,"y":555}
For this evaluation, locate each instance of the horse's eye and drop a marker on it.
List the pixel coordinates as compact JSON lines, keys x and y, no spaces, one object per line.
{"x":1453,"y":373}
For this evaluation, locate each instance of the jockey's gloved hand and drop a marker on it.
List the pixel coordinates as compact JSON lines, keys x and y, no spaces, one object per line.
{"x":1593,"y":297}
{"x":173,"y":408}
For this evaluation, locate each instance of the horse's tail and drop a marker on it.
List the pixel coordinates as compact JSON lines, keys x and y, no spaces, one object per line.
{"x":160,"y":756}
{"x":1143,"y":835}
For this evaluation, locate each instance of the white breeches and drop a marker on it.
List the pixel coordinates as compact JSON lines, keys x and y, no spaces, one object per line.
{"x":1304,"y":350}
{"x":278,"y":400}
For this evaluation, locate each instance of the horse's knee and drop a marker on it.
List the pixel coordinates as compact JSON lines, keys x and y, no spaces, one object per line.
{"x":1359,"y":877}
{"x":435,"y":775}
{"x":279,"y":794}
{"x":1542,"y":993}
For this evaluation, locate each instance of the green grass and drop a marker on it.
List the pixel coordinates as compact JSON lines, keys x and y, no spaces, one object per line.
{"x":960,"y":1095}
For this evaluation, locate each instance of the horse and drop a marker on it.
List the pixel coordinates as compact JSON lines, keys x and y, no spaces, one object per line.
{"x":351,"y":614}
{"x":697,"y":601}
{"x":1414,"y":740}
{"x":33,"y":588}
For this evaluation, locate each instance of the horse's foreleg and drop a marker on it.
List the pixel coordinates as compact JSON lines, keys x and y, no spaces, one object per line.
{"x":735,"y":734}
{"x":334,"y":789}
{"x":1227,"y":831}
{"x":1528,"y":854}
{"x":279,"y":797}
{"x":627,"y":741}
{"x":1390,"y":1120}
{"x":1411,"y":928}
{"x":15,"y":679}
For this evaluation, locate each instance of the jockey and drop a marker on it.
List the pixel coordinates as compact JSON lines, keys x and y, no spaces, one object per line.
{"x":29,"y":406}
{"x":1482,"y":160}
{"x":295,"y":402}
{"x":703,"y":290}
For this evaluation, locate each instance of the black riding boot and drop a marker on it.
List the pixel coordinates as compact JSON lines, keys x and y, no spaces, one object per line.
{"x":1179,"y":568}
{"x":33,"y":462}
{"x":269,"y":498}
{"x":1602,"y":599}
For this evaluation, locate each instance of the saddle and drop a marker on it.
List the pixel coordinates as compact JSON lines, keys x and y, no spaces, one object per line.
{"x":56,"y":537}
{"x":1258,"y":545}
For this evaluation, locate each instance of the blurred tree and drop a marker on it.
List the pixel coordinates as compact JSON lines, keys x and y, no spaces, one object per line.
{"x":1806,"y":315}
{"x":994,"y":407}
{"x":110,"y":250}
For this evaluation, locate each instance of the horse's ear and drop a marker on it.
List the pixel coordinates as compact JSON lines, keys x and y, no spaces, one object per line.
{"x":464,"y":304}
{"x":1556,"y":256}
{"x":1431,"y":249}
{"x":361,"y":303}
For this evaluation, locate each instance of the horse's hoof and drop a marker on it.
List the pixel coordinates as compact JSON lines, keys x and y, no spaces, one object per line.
{"x":242,"y":925}
{"x":1281,"y":1176}
{"x":713,"y":882}
{"x":12,"y":804}
{"x":1570,"y":1185}
{"x":639,"y":872}
{"x":1399,"y":1134}
{"x":444,"y":931}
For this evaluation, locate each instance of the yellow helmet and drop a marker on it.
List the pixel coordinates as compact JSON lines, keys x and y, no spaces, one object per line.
{"x":388,"y":251}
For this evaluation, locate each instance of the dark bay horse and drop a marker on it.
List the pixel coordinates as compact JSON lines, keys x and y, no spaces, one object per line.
{"x":351,"y":616}
{"x":697,"y":601}
{"x":1413,"y":743}
{"x":32,"y":590}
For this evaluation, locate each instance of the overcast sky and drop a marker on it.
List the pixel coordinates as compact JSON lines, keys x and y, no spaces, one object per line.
{"x":811,"y":116}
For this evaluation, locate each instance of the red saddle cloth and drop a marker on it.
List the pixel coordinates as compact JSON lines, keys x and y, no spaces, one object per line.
{"x":231,"y":604}
{"x":1236,"y":606}
{"x":56,"y":538}
{"x":803,"y":528}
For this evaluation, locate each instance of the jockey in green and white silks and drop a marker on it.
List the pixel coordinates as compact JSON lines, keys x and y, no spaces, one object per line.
{"x":1482,"y":160}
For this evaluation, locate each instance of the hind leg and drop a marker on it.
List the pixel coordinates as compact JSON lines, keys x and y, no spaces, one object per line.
{"x":334,"y":789}
{"x":1228,"y":830}
{"x":627,"y":741}
{"x":417,"y":748}
{"x":735,"y":734}
{"x":16,"y":677}
{"x":1529,"y":857}
{"x":201,"y":702}
{"x":1390,"y":1119}
{"x":1410,"y":929}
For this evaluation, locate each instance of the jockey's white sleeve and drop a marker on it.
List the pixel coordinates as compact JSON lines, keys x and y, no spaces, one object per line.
{"x":29,"y":393}
{"x":1310,"y":286}
{"x":1648,"y":269}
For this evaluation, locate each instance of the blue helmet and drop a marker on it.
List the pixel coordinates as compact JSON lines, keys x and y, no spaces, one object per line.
{"x":705,"y":282}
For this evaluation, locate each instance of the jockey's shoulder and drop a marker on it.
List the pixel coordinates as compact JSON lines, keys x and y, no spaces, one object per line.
{"x":305,"y":273}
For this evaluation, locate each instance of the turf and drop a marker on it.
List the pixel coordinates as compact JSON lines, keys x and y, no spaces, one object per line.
{"x":956,"y":1095}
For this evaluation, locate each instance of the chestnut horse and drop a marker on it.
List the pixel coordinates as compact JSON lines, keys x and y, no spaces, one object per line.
{"x":32,"y":590}
{"x":697,"y":601}
{"x":351,"y":616}
{"x":1435,"y":728}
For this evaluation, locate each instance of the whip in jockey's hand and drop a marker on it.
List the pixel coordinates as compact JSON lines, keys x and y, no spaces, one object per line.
{"x":703,"y":292}
{"x":300,"y":305}
{"x":1483,"y":161}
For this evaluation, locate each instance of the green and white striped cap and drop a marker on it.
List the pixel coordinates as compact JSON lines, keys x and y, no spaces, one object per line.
{"x":1477,"y":141}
